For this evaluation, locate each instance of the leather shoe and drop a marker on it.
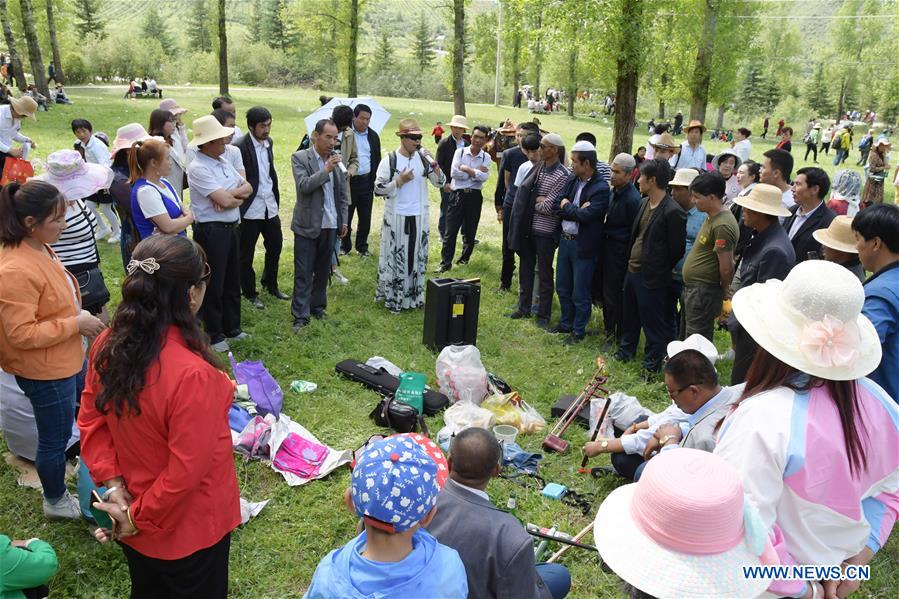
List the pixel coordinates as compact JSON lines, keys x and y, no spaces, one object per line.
{"x":572,"y":339}
{"x":518,"y":314}
{"x":278,"y":294}
{"x":320,"y":315}
{"x":559,"y":329}
{"x":299,"y":324}
{"x":442,"y":269}
{"x":257,"y":303}
{"x":462,"y":261}
{"x":542,"y":323}
{"x":365,"y":254}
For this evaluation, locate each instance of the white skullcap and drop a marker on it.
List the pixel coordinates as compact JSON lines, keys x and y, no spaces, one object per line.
{"x":554,"y":139}
{"x":625,"y":161}
{"x":583,"y":146}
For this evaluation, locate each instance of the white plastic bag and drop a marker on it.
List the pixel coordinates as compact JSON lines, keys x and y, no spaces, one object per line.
{"x":463,"y":415}
{"x":461,"y":375}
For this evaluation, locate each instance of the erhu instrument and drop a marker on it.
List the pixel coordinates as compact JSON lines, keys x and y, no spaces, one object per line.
{"x":554,"y":441}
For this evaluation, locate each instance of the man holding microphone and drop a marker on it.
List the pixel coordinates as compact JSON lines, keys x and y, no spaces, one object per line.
{"x":404,"y":232}
{"x":319,"y":217}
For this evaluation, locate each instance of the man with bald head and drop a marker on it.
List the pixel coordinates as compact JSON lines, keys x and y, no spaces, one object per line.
{"x":497,"y":551}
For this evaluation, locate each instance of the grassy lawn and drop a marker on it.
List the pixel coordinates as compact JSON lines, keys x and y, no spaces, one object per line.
{"x":276,"y":554}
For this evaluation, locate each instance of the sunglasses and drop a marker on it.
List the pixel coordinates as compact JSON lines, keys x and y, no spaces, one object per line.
{"x":413,"y":137}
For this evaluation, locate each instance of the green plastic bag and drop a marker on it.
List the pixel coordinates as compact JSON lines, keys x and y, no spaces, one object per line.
{"x":412,"y":389}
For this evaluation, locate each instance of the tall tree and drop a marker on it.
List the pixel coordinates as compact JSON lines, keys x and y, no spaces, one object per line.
{"x":254,"y":26}
{"x":155,"y":27}
{"x":819,"y":92}
{"x":458,"y":60}
{"x":54,"y":42}
{"x":223,"y":49}
{"x":15,"y":62}
{"x":702,"y":72}
{"x":383,"y":56}
{"x":88,"y":20}
{"x":423,"y":44}
{"x":274,"y":28}
{"x":199,"y":36}
{"x":352,"y":54}
{"x":630,"y":28}
{"x":34,"y":48}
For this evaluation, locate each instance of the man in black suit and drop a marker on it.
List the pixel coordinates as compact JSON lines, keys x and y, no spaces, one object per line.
{"x":259,"y":213}
{"x":810,"y":213}
{"x":362,"y":184}
{"x":446,"y":149}
{"x":657,"y":242}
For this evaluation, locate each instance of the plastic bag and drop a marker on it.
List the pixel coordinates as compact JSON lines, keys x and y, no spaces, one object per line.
{"x":412,"y":389}
{"x":463,"y":415}
{"x":460,"y":373}
{"x":264,"y":389}
{"x":512,"y":410}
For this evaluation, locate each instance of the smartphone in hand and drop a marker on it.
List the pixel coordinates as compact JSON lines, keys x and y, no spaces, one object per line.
{"x":104,"y":520}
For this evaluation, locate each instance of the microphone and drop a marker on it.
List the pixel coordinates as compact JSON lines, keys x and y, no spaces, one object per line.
{"x":424,"y":154}
{"x":339,"y":164}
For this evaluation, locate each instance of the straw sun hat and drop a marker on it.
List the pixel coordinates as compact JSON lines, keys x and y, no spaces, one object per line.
{"x":812,"y":321}
{"x":685,"y":530}
{"x":26,"y":106}
{"x":683,"y":177}
{"x":764,"y":198}
{"x":459,"y":121}
{"x":666,"y":142}
{"x":206,"y":129}
{"x":838,"y":235}
{"x":127,"y":135}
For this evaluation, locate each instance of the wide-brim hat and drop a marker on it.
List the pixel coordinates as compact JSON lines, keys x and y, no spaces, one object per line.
{"x":694,"y":124}
{"x":73,"y":177}
{"x":508,"y":128}
{"x":816,"y":126}
{"x":665,"y":142}
{"x":838,"y":235}
{"x":812,"y":321}
{"x":764,"y":198}
{"x":207,"y":129}
{"x":172,"y":106}
{"x":126,"y":136}
{"x":725,"y":154}
{"x":883,"y":141}
{"x":26,"y":106}
{"x":459,"y":121}
{"x":683,"y":177}
{"x":697,"y":342}
{"x":658,"y":570}
{"x":408,"y":127}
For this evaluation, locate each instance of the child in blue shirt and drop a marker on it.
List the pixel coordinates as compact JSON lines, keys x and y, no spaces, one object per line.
{"x":394,"y":490}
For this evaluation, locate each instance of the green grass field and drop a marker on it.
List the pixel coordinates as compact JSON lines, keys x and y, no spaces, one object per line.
{"x":276,"y":554}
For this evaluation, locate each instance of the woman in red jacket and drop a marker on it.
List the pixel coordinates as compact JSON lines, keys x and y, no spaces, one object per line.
{"x":154,"y":428}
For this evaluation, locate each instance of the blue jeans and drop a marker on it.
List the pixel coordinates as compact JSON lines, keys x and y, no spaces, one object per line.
{"x":840,"y":157}
{"x":556,"y":578}
{"x":574,"y":284}
{"x":54,"y":414}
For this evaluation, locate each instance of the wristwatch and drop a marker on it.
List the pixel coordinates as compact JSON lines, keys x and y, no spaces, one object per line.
{"x":604,"y":445}
{"x":665,"y":440}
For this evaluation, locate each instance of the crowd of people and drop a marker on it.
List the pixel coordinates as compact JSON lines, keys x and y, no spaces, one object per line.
{"x":671,"y":242}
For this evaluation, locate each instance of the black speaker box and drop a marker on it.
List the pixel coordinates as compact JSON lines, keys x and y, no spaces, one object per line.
{"x":451,"y":312}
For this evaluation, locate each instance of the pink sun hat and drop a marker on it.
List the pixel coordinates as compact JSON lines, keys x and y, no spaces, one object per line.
{"x":684,"y":530}
{"x":73,"y":177}
{"x":126,"y":135}
{"x":172,"y":106}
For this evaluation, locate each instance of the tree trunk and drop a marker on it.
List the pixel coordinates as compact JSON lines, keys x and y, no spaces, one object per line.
{"x":54,"y":43}
{"x":516,"y":66}
{"x":662,"y":88}
{"x":702,"y":72}
{"x":14,"y":60}
{"x":459,"y":56}
{"x":538,"y":57}
{"x":720,"y":122}
{"x":572,"y":79}
{"x":842,"y":99}
{"x":353,"y":48}
{"x":34,"y":49}
{"x":223,"y":49}
{"x":627,"y":82}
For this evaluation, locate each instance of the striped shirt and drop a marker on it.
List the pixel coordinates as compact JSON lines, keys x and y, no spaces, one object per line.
{"x":550,"y":182}
{"x":77,"y":245}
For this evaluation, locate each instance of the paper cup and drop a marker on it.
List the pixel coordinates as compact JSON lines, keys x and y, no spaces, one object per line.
{"x":505,"y":433}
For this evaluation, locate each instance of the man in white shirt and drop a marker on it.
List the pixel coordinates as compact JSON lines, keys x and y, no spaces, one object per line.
{"x":11,"y":116}
{"x":776,"y":170}
{"x":216,"y":194}
{"x":469,"y":171}
{"x":227,"y":104}
{"x":742,"y":146}
{"x":692,"y":154}
{"x":259,"y":213}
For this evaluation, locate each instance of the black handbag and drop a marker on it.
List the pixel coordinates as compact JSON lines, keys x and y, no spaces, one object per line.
{"x":94,"y":294}
{"x":398,"y":416}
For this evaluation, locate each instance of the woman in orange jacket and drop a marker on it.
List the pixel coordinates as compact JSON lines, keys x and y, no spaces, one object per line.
{"x":41,"y":327}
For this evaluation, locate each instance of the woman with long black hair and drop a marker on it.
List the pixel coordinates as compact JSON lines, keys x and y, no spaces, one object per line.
{"x":154,"y":426}
{"x":816,"y":442}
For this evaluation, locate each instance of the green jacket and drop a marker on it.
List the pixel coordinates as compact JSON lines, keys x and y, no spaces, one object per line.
{"x":24,"y":568}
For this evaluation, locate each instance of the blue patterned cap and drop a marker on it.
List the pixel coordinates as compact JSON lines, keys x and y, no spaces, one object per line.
{"x":394,"y":484}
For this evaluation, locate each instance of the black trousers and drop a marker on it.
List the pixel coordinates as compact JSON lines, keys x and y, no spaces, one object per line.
{"x":811,"y":148}
{"x":311,"y":273}
{"x":537,"y":253}
{"x":652,"y":311}
{"x":221,"y":305}
{"x":441,"y":222}
{"x":200,"y":575}
{"x":463,"y":212}
{"x":508,"y":268}
{"x":614,"y":267}
{"x":362,"y":192}
{"x":272,"y":240}
{"x":744,"y":353}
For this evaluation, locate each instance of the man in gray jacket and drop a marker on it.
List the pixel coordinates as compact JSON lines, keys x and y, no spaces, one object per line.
{"x":319,"y":217}
{"x":497,"y":551}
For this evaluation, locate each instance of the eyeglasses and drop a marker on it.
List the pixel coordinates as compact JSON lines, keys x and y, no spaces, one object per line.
{"x":413,"y":137}
{"x":674,"y":394}
{"x":207,"y":272}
